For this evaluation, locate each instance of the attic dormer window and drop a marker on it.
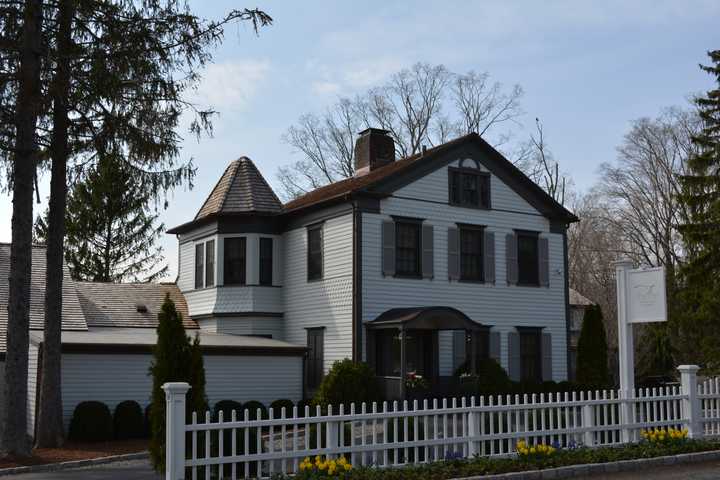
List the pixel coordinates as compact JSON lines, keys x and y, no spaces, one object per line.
{"x":469,"y":186}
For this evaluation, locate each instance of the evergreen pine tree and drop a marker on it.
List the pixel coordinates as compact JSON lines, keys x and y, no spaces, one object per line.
{"x":197,"y":399}
{"x":175,"y":359}
{"x":592,"y":361}
{"x":701,"y":235}
{"x":111,"y":229}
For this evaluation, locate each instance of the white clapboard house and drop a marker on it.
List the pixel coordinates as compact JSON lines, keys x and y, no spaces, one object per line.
{"x":441,"y":258}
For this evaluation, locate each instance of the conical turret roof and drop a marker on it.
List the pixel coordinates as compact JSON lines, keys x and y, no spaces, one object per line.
{"x":241,"y":189}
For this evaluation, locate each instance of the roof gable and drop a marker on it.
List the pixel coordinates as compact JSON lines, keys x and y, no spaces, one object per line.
{"x":241,"y":189}
{"x":387,"y":179}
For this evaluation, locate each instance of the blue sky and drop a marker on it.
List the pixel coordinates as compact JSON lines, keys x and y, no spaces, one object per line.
{"x":587,"y":68}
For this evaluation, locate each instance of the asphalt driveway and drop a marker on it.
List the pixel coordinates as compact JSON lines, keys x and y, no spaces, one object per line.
{"x":131,"y":470}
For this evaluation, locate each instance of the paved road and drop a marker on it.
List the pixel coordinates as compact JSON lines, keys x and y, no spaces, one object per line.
{"x":698,"y":471}
{"x":140,"y":470}
{"x":132,"y":470}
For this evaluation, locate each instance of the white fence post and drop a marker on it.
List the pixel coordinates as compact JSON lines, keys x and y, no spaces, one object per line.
{"x":691,"y":403}
{"x":332,"y":433}
{"x":588,"y":422}
{"x":472,"y":431}
{"x":175,"y":429}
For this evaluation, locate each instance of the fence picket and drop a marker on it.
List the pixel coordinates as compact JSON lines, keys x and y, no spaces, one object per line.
{"x":419,"y":432}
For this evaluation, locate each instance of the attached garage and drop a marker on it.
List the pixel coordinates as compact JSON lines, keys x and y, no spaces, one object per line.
{"x":112,"y":365}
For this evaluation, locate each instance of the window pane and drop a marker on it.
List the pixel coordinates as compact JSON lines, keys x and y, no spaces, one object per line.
{"x":407,"y":248}
{"x":454,"y":188}
{"x":471,"y":257}
{"x":530,"y":358}
{"x":470,"y":189}
{"x":315,"y":257}
{"x":234,"y":264}
{"x":482,"y":346}
{"x":528,"y":259}
{"x":266,"y":261}
{"x":210,"y":263}
{"x":199,"y":263}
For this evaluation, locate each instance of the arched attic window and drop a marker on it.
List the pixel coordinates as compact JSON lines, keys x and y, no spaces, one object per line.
{"x":469,"y":185}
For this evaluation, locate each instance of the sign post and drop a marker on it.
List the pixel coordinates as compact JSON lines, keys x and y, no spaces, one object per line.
{"x":640,"y":299}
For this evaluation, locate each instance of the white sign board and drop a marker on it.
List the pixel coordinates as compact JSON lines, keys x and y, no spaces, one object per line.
{"x":646,"y":295}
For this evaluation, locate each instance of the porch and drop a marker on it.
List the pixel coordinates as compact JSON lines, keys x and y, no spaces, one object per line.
{"x":403,"y":346}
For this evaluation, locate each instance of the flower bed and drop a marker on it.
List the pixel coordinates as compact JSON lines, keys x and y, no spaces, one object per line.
{"x":527,"y":457}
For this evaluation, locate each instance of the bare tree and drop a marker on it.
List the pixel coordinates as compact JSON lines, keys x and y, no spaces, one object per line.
{"x":642,"y":186}
{"x":422,"y":105}
{"x":544,"y":169}
{"x":634,"y":212}
{"x":481,"y":106}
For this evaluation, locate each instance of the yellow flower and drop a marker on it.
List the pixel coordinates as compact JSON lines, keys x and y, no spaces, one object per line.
{"x":521,"y":444}
{"x":532,"y":450}
{"x":347,"y":466}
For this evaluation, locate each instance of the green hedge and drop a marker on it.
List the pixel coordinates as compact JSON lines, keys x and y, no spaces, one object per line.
{"x":128,"y":420}
{"x":477,"y":466}
{"x":91,"y":422}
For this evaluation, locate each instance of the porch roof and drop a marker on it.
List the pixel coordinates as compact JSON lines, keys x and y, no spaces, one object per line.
{"x":425,"y":318}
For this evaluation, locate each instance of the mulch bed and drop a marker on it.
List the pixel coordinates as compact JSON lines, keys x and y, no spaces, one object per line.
{"x":76,"y":451}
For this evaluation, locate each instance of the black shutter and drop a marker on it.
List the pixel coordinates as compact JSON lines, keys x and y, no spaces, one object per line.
{"x":453,"y":246}
{"x":388,"y":248}
{"x":427,"y":251}
{"x":489,"y":254}
{"x":543,"y":262}
{"x":511,"y":259}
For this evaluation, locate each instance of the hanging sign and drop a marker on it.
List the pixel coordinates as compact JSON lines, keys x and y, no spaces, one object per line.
{"x":646,"y":295}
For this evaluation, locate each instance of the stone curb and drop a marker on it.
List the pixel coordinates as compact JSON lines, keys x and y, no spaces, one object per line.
{"x":53,"y":467}
{"x":572,"y":471}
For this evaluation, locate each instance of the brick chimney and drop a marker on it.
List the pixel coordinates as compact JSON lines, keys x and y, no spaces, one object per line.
{"x":373,"y":149}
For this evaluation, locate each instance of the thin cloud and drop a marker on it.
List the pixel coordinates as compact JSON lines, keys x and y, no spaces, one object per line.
{"x":231,"y":85}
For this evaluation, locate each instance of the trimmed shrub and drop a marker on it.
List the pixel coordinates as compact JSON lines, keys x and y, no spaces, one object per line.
{"x":347,"y":382}
{"x":491,"y":379}
{"x":227,"y":406}
{"x":278,"y":405}
{"x":148,"y":421}
{"x":592,"y":360}
{"x":128,"y":420}
{"x":91,"y":422}
{"x":301,"y":407}
{"x":252,"y":407}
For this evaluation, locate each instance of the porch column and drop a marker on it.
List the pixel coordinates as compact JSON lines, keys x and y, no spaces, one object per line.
{"x":403,"y":367}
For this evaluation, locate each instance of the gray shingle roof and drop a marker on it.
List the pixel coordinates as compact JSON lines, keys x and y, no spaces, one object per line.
{"x":241,"y":189}
{"x":577,"y":299}
{"x":72,"y":317}
{"x":116,"y":304}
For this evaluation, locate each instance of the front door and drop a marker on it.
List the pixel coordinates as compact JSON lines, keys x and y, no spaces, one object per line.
{"x":314,"y":364}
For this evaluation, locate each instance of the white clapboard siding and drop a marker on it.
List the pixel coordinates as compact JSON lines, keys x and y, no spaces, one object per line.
{"x":242,"y":379}
{"x":201,"y":302}
{"x":272,"y":326}
{"x":434,"y":187}
{"x":500,"y":305}
{"x":321,"y":303}
{"x":112,"y":379}
{"x":236,"y":299}
{"x":186,"y":267}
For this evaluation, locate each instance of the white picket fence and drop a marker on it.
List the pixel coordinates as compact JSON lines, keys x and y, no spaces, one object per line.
{"x":390,"y":434}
